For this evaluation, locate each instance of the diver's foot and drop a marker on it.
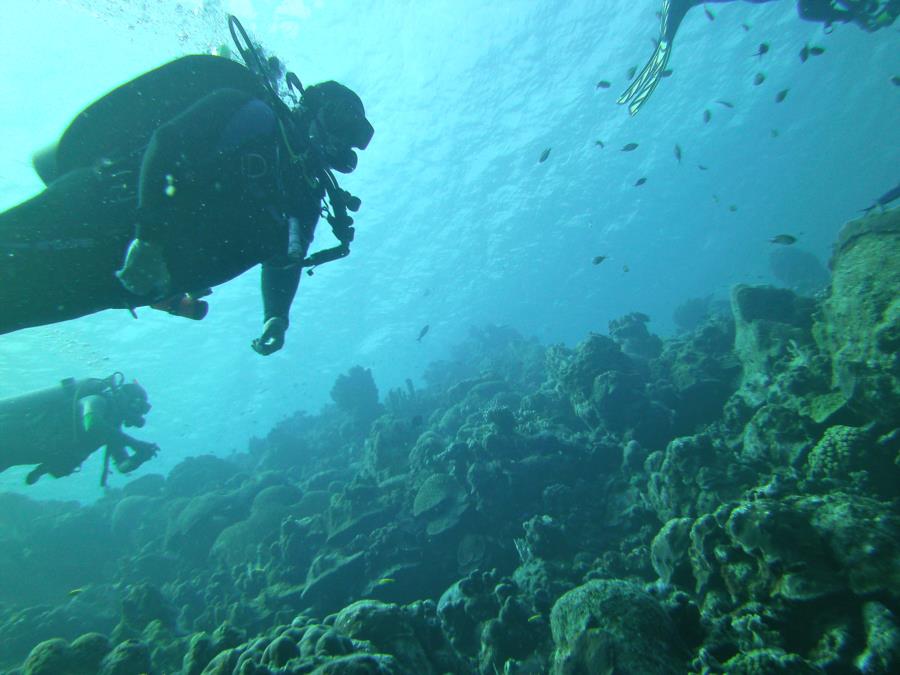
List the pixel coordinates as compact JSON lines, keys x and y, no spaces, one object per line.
{"x":145,"y":272}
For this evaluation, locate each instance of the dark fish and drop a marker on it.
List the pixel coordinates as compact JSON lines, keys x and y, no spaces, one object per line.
{"x":895,"y":80}
{"x":817,"y":51}
{"x":603,"y":84}
{"x":804,"y":53}
{"x":774,"y":133}
{"x":709,"y":15}
{"x":781,"y":95}
{"x":763,"y":48}
{"x":544,"y":155}
{"x":629,"y":147}
{"x":701,"y":167}
{"x":784,"y":239}
{"x":745,"y":26}
{"x":600,"y":143}
{"x":416,"y":421}
{"x":631,"y":72}
{"x":624,"y":268}
{"x":667,"y":72}
{"x":640,"y":181}
{"x":678,"y":153}
{"x":598,"y":259}
{"x":758,"y":79}
{"x":732,"y":208}
{"x":727,"y":104}
{"x":707,"y":116}
{"x":423,"y":332}
{"x":885,"y":199}
{"x":716,"y":198}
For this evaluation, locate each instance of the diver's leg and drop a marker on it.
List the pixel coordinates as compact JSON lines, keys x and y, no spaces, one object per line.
{"x":58,"y":252}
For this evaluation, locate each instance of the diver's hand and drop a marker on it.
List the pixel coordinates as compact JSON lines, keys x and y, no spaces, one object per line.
{"x":145,"y":272}
{"x":272,"y":338}
{"x":142,"y":453}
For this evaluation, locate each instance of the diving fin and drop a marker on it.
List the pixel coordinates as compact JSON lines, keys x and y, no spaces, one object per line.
{"x":639,"y":91}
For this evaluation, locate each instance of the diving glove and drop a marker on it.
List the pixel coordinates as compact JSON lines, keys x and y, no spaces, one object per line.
{"x":142,"y":453}
{"x":272,"y":338}
{"x":145,"y":272}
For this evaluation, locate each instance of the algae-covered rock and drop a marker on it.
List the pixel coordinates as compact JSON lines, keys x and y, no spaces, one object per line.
{"x":88,"y":651}
{"x":409,"y":633}
{"x":362,"y":664}
{"x":882,"y":652}
{"x":669,"y":551}
{"x":51,"y":657}
{"x":769,"y":324}
{"x":332,"y":578}
{"x":768,"y":662}
{"x":441,"y":501}
{"x":127,"y":658}
{"x":613,"y":626}
{"x":860,"y":325}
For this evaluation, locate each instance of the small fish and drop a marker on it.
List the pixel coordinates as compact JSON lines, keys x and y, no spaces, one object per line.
{"x":667,"y":72}
{"x":890,"y":196}
{"x":598,"y":259}
{"x":629,"y":147}
{"x":385,"y":581}
{"x":534,"y":617}
{"x":625,"y":268}
{"x":774,"y":133}
{"x":600,"y":143}
{"x":702,"y":168}
{"x":423,"y":332}
{"x":784,"y":239}
{"x":727,"y":104}
{"x":544,"y":155}
{"x":678,"y":153}
{"x":745,"y":26}
{"x":603,"y":84}
{"x":733,"y":208}
{"x":816,"y":50}
{"x":640,"y":181}
{"x":758,"y":79}
{"x":781,"y":95}
{"x":707,"y":116}
{"x":75,"y":592}
{"x":895,"y":80}
{"x":763,"y":48}
{"x":716,"y":198}
{"x":709,"y":15}
{"x":416,"y":421}
{"x":804,"y":53}
{"x":631,"y":72}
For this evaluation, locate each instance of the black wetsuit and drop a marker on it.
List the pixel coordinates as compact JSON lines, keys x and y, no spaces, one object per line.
{"x":214,"y":184}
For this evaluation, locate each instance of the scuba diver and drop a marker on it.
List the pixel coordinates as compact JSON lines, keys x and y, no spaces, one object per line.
{"x":868,"y":14}
{"x":178,"y":181}
{"x":59,"y":428}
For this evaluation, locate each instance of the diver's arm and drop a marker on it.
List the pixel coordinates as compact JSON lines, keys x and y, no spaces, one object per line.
{"x":280,"y":278}
{"x":100,"y":429}
{"x":279,"y":286}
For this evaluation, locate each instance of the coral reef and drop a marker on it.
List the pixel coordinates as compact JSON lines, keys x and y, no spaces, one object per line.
{"x":723,"y":501}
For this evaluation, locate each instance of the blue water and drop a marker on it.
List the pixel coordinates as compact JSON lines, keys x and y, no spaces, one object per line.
{"x":460,"y":224}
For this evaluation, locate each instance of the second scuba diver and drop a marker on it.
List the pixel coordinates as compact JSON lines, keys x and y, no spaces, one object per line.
{"x":59,"y":428}
{"x":178,"y":181}
{"x":868,"y":14}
